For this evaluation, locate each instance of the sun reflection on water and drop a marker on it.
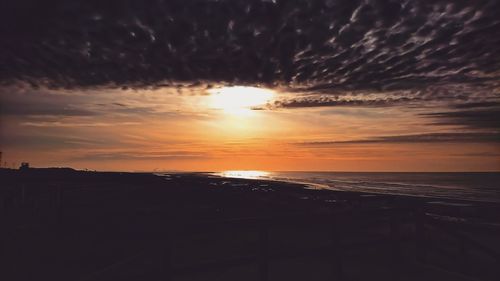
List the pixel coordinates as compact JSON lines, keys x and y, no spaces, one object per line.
{"x":245,"y":174}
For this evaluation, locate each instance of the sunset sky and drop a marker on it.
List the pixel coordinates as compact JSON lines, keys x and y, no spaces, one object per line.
{"x":258,"y":85}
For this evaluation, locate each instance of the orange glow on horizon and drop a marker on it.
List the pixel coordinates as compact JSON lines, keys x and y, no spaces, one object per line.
{"x":159,"y":130}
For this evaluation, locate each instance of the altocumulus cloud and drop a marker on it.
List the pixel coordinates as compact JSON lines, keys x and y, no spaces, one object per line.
{"x":305,"y":45}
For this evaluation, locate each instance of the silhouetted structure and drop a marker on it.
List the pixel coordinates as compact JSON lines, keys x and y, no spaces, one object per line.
{"x":24,"y":166}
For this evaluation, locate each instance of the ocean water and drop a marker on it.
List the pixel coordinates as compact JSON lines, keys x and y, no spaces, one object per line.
{"x":469,"y":186}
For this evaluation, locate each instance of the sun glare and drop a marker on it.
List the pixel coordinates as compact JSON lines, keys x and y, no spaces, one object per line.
{"x":239,"y":100}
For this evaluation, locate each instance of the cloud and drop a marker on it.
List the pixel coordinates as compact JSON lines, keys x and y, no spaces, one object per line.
{"x":334,"y":101}
{"x":24,"y":108}
{"x":479,"y":154}
{"x":434,"y":96}
{"x":128,"y":155}
{"x":477,"y":105}
{"x":486,"y":118}
{"x":87,"y":104}
{"x":318,"y":46}
{"x":46,"y":142}
{"x":77,"y":124}
{"x":469,"y":137}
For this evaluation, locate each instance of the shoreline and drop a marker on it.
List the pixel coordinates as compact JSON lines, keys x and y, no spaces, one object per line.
{"x":317,"y":186}
{"x":302,"y":185}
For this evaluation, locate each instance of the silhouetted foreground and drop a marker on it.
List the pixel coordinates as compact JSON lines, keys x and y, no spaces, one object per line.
{"x":61,"y":224}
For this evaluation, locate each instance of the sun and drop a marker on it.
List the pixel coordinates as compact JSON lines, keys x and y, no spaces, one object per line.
{"x":239,"y":100}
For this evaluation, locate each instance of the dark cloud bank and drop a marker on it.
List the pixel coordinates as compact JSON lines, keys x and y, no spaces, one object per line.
{"x":465,"y":137}
{"x":308,"y":45}
{"x":488,"y":118}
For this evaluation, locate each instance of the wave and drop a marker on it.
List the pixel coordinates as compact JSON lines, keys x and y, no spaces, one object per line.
{"x":462,"y":186}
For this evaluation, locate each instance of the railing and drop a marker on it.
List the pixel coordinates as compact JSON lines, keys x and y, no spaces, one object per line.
{"x":393,"y":218}
{"x":426,"y":224}
{"x":334,"y":252}
{"x":20,"y":206}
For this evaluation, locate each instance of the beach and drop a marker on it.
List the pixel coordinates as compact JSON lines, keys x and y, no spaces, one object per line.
{"x":62,"y":224}
{"x":250,"y":140}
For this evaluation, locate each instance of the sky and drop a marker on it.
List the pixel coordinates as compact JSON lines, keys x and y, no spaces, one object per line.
{"x":251,"y":85}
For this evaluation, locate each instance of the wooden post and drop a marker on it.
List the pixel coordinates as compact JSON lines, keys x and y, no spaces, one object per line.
{"x":53,"y":204}
{"x":264,"y":251}
{"x":3,"y":207}
{"x":462,"y":264}
{"x":59,"y":205}
{"x":3,"y":225}
{"x":168,"y":274}
{"x":175,"y":227}
{"x":5,"y":233}
{"x":23,"y":195}
{"x":7,"y":206}
{"x":421,"y":245}
{"x":4,"y":251}
{"x":395,"y":246}
{"x":336,"y":251}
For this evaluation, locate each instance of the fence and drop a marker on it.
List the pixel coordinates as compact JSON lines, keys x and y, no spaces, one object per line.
{"x":424,"y":224}
{"x":390,"y":217}
{"x":394,"y":218}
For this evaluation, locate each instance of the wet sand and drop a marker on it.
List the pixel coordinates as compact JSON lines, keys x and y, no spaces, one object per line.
{"x":61,"y":224}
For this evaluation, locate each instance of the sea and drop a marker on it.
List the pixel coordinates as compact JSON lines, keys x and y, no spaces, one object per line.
{"x":477,"y":186}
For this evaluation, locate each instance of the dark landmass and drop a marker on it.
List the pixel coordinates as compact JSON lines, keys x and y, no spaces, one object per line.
{"x":63,"y":224}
